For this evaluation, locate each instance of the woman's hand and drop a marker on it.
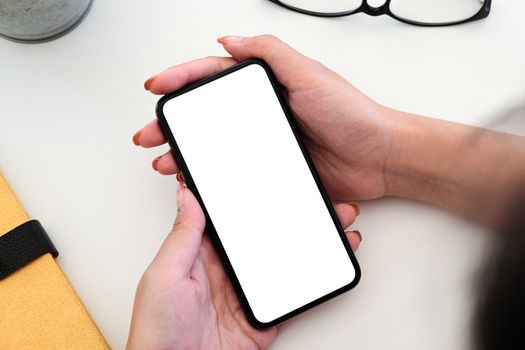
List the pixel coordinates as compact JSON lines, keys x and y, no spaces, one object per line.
{"x":345,"y":131}
{"x":363,"y":150}
{"x":185,"y":300}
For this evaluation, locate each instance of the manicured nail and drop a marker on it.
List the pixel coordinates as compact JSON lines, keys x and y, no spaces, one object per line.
{"x":358,"y":233}
{"x":155,"y":162}
{"x":356,"y":208}
{"x":180,"y":194}
{"x":136,"y":138}
{"x":230,"y":39}
{"x":148,"y":82}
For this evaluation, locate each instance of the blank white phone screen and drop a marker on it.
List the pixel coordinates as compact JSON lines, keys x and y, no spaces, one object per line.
{"x":259,"y":192}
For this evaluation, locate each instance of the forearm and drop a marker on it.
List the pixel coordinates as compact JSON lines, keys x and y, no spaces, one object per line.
{"x":472,"y":171}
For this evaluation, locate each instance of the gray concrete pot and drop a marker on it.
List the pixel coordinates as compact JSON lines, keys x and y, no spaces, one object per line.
{"x":40,"y":20}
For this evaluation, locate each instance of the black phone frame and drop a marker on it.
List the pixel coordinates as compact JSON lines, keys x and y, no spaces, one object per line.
{"x":210,"y":229}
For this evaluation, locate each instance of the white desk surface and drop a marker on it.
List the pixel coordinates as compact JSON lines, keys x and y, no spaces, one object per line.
{"x":68,"y":109}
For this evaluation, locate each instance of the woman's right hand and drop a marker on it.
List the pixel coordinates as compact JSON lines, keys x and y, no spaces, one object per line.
{"x":344,"y":130}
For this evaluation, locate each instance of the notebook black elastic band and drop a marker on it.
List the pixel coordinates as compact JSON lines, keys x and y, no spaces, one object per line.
{"x":22,"y":245}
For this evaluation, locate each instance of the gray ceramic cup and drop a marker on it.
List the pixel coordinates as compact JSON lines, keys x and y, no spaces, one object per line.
{"x":40,"y":20}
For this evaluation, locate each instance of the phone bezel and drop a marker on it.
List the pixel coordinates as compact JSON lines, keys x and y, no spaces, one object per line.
{"x":210,"y":229}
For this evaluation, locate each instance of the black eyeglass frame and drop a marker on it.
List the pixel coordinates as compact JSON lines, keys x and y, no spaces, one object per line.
{"x":385,"y":10}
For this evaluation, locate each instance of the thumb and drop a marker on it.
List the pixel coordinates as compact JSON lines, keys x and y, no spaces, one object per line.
{"x":181,"y":247}
{"x":282,"y":58}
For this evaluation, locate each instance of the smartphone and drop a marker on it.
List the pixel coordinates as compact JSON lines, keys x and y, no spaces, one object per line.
{"x":267,"y":213}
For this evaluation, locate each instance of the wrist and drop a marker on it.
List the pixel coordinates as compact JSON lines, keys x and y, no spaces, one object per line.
{"x":453,"y":166}
{"x":401,"y":167}
{"x":422,"y":157}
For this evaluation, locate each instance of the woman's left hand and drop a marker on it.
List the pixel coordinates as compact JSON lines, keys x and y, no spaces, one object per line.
{"x":185,"y":300}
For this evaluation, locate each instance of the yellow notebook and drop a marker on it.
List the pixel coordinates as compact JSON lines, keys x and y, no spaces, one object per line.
{"x":39,"y":309}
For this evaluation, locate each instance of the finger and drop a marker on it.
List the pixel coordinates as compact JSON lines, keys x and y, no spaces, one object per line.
{"x":346,"y":213}
{"x":283,"y":59}
{"x":354,"y":238}
{"x":149,"y":136}
{"x":181,"y":247}
{"x":165,"y":164}
{"x":182,"y":74}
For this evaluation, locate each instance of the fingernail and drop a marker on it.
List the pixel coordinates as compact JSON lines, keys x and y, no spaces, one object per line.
{"x":356,"y":208}
{"x":136,"y":138}
{"x":154,"y":163}
{"x":148,"y":82}
{"x":230,"y":39}
{"x":358,"y":233}
{"x":180,"y":194}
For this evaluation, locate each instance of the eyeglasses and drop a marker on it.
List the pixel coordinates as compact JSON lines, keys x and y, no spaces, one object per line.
{"x":427,"y":13}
